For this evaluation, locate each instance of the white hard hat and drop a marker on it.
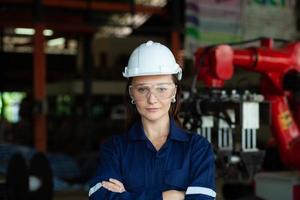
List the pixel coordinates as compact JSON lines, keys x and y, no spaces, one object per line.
{"x":152,"y":58}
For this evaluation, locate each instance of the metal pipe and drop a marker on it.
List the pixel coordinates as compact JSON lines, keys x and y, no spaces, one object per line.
{"x":209,"y":134}
{"x":254,"y":138}
{"x":225,"y":137}
{"x":220,"y":138}
{"x":244,"y":139}
{"x":230,"y":138}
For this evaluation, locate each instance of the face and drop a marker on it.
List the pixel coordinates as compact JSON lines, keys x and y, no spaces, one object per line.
{"x":153,"y":96}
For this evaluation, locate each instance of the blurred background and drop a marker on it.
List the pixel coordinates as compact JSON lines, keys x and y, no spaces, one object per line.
{"x":61,"y":88}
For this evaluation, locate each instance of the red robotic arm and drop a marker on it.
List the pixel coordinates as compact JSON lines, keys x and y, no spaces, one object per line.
{"x":216,"y":65}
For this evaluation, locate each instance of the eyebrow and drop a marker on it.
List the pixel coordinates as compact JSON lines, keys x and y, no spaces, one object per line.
{"x":142,"y":84}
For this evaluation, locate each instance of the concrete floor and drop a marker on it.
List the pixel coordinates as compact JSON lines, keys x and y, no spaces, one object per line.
{"x":82,"y":195}
{"x":71,"y":195}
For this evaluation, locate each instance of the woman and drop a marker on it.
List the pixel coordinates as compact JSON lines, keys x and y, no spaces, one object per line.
{"x":155,"y":159}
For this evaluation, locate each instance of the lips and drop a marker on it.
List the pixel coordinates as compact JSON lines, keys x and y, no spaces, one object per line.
{"x":152,"y":109}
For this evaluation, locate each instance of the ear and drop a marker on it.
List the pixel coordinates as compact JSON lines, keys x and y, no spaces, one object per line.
{"x":175,"y":92}
{"x":129,"y":92}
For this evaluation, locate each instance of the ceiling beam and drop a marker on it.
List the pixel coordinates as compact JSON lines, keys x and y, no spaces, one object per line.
{"x":103,"y":6}
{"x":16,"y":1}
{"x":65,"y":28}
{"x":63,"y":23}
{"x":92,"y":5}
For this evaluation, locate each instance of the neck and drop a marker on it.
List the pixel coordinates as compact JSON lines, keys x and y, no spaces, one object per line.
{"x":158,"y":129}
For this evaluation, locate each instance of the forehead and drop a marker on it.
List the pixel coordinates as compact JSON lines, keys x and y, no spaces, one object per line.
{"x":152,"y":79}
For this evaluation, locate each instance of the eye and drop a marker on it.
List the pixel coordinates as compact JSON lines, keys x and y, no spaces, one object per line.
{"x":161,"y":89}
{"x":142,"y":90}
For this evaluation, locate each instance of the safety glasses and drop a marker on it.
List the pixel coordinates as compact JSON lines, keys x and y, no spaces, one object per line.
{"x":160,"y":91}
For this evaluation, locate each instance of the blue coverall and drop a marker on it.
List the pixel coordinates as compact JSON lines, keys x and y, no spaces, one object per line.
{"x":185,"y":163}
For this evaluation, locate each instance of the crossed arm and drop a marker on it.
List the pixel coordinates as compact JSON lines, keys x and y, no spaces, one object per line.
{"x":114,"y":185}
{"x":108,"y":182}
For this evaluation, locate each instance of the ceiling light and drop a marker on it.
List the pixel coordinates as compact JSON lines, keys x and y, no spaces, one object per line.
{"x":48,"y":32}
{"x":119,"y":32}
{"x":24,"y":31}
{"x":30,"y":31}
{"x":57,"y":42}
{"x":160,"y":3}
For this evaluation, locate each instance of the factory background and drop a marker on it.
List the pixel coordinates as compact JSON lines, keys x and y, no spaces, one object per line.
{"x":62,"y":90}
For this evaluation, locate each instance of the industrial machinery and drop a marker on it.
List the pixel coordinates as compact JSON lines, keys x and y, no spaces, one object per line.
{"x":280,"y":87}
{"x":25,"y":180}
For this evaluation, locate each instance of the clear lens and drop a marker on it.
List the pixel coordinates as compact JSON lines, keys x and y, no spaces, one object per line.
{"x":160,"y":91}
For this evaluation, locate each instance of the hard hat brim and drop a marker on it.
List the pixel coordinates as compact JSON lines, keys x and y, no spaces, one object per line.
{"x":137,"y":72}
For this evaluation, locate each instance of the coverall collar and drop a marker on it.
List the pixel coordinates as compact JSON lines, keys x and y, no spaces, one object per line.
{"x":136,"y":132}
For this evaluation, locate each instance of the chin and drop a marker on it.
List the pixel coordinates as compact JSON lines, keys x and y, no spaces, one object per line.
{"x":154,"y":116}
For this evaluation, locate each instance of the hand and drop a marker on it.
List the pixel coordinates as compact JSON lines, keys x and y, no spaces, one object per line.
{"x":113,"y":185}
{"x":173,"y":195}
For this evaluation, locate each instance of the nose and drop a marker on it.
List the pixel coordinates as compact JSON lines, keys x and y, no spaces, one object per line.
{"x":151,"y":98}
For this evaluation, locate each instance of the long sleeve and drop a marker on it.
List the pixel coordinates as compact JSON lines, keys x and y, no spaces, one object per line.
{"x":109,"y":166}
{"x":202,"y":184}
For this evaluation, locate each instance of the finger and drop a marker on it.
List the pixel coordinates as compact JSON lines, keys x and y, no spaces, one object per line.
{"x":116,"y":182}
{"x":112,"y":187}
{"x":119,"y":183}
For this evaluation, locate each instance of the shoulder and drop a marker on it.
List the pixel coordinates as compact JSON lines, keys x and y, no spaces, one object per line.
{"x":195,"y":138}
{"x":200,"y":149}
{"x":115,"y":142}
{"x":197,"y":141}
